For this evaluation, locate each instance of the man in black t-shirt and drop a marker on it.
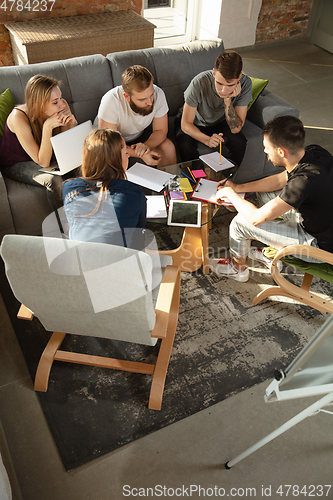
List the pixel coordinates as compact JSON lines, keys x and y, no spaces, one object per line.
{"x":305,"y":185}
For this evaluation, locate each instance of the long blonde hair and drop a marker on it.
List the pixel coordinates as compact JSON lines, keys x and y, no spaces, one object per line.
{"x":37,"y":94}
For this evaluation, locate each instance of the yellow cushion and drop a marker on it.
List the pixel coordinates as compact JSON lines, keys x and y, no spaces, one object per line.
{"x":7,"y":102}
{"x":258,"y":86}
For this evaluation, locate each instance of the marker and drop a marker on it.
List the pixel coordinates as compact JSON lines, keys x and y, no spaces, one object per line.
{"x":197,"y":186}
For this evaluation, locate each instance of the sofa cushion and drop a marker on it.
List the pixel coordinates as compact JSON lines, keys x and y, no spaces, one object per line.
{"x":28,"y":207}
{"x":83,"y":81}
{"x":258,"y":86}
{"x":269,"y":106}
{"x":7,"y":102}
{"x":322,"y":270}
{"x":187,"y":61}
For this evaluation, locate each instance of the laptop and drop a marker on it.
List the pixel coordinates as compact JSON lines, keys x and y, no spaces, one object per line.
{"x":67,"y":147}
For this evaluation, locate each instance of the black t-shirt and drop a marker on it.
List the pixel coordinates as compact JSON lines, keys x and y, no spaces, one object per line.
{"x":310,"y":190}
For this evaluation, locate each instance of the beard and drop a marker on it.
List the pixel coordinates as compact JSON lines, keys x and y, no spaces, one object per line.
{"x":141,"y":111}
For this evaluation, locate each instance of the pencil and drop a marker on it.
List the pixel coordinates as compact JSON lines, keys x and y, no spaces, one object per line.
{"x":220,"y":152}
{"x":188,"y":168}
{"x":187,"y":177}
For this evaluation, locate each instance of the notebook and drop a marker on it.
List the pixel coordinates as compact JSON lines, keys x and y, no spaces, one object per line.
{"x":148,"y":177}
{"x":67,"y":147}
{"x":214,"y":162}
{"x":156,"y":208}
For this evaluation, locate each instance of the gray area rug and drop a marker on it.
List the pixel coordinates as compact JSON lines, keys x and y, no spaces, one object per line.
{"x":223,"y":345}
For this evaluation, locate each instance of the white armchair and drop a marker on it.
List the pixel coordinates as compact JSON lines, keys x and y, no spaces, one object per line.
{"x":96,"y":290}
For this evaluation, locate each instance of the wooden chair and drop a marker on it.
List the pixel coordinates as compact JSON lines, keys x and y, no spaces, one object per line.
{"x":285,"y":288}
{"x":96,"y":290}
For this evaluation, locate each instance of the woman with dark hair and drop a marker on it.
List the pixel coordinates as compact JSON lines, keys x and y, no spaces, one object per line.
{"x":26,"y":145}
{"x":102,"y":205}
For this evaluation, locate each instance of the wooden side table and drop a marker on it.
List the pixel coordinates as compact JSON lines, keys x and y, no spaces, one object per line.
{"x":192,"y":252}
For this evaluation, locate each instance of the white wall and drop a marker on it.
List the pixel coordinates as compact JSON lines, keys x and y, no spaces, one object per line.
{"x":234,"y":21}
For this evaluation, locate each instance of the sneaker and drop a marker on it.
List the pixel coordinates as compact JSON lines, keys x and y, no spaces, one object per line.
{"x":225,"y":269}
{"x":255,"y":253}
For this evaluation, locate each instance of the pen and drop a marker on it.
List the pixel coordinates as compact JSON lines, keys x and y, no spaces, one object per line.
{"x":225,"y":180}
{"x":189,"y":178}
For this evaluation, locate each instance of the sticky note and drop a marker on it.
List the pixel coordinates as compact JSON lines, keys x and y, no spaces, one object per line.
{"x":198,"y":174}
{"x":185,"y":185}
{"x":177,"y":195}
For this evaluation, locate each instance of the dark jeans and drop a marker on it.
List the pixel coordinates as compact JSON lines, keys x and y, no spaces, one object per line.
{"x":28,"y":172}
{"x":233,"y":147}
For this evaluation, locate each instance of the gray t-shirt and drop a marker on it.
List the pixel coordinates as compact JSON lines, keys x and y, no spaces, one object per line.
{"x":201,"y":94}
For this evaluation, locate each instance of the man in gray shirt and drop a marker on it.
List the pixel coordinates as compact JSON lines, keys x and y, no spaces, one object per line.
{"x":215,"y":110}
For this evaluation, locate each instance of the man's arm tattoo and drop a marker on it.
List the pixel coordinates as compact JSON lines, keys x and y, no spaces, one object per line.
{"x":233,"y":120}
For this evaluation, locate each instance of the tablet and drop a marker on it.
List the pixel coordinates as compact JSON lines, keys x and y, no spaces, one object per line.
{"x":184,"y":213}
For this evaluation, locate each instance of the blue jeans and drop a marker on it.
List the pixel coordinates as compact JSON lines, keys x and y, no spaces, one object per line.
{"x":28,"y":172}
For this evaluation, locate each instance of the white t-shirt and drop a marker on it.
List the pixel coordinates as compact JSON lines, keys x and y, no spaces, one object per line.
{"x":115,"y":109}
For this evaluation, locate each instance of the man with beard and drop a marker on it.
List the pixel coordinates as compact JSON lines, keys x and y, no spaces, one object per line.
{"x":139,"y":111}
{"x":305,"y":185}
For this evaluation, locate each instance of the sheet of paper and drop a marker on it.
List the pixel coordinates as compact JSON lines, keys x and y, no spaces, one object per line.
{"x":227,"y":203}
{"x":156,"y":208}
{"x":148,"y":177}
{"x":213,"y":161}
{"x":206,"y":191}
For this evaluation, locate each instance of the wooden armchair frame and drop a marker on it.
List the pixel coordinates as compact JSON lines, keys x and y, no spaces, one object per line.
{"x":166,"y":310}
{"x":303,"y":293}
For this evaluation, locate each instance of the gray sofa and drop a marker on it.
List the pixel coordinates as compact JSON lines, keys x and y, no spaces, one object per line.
{"x":84,"y":80}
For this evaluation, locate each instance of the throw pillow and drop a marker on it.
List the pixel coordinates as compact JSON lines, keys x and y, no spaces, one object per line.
{"x":7,"y":102}
{"x":258,"y":86}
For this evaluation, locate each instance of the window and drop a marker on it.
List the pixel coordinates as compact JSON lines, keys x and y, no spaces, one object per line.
{"x":175,"y":20}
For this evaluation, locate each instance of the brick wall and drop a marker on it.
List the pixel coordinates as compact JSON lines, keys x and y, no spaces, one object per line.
{"x":19,"y":11}
{"x":282,"y":18}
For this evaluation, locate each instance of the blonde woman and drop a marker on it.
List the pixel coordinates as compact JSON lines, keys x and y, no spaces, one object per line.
{"x":26,"y":145}
{"x":102,"y":205}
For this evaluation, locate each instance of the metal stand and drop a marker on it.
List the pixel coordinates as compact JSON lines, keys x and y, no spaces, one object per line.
{"x":311,"y":410}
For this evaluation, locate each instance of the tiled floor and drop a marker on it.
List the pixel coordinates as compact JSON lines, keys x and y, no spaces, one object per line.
{"x":302,"y":74}
{"x":192,"y":451}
